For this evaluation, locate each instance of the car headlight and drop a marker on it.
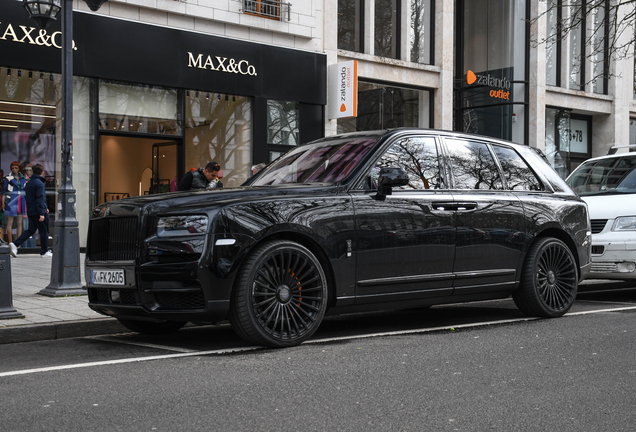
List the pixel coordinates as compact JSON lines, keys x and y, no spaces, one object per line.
{"x":625,"y":223}
{"x":177,"y":226}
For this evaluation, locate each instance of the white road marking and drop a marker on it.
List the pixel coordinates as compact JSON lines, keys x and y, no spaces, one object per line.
{"x":313,"y":341}
{"x":129,"y":360}
{"x":141,"y":344}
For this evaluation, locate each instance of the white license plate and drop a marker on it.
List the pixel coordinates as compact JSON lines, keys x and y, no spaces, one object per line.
{"x":108,"y":277}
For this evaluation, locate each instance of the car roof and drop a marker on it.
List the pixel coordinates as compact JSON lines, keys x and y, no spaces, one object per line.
{"x":613,"y":156}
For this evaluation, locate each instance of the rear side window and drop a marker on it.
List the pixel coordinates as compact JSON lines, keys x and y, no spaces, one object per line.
{"x":473,"y":166}
{"x":518,"y":175}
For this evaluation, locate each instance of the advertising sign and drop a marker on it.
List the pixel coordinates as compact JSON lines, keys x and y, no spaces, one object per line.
{"x":343,"y":90}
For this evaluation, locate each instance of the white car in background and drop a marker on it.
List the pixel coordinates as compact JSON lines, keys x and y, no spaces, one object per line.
{"x":608,"y":185}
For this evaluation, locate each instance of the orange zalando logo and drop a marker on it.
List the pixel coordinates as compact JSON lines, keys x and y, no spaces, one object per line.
{"x":503,"y":84}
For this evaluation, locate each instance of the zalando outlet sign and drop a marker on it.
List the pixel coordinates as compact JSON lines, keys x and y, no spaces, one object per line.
{"x":501,"y":86}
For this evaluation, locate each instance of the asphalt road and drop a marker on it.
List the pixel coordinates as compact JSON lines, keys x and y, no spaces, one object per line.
{"x":473,"y":367}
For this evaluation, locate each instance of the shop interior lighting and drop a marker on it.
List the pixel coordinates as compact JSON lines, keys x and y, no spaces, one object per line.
{"x":8,"y":72}
{"x":27,"y":104}
{"x":30,"y":75}
{"x":207,"y":96}
{"x":19,"y":121}
{"x":27,"y":114}
{"x":8,"y":126}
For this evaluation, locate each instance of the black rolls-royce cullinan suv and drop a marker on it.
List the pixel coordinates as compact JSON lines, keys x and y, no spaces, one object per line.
{"x":363,"y":221}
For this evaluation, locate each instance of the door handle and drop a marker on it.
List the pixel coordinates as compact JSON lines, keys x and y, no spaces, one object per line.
{"x":445,"y":206}
{"x":462,"y":206}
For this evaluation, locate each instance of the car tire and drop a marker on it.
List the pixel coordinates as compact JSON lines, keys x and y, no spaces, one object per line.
{"x":549,"y":280}
{"x":151,"y":328}
{"x":280,"y":296}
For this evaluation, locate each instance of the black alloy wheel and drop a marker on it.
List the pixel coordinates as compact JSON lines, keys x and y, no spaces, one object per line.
{"x":280,"y":296}
{"x":151,"y":328}
{"x":549,"y":281}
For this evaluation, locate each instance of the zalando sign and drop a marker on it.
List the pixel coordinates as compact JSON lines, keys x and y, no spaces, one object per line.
{"x":502,"y":84}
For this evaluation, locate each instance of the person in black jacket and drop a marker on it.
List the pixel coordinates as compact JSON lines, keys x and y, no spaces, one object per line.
{"x":201,"y":178}
{"x":37,"y":212}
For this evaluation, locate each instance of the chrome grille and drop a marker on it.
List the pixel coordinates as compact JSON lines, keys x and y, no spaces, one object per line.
{"x":604,"y":267}
{"x":112,"y":239}
{"x":598,"y":225}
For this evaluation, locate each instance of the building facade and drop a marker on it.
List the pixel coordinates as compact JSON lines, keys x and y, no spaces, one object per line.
{"x":162,"y":86}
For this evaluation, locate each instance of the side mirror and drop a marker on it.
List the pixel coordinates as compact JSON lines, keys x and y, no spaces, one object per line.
{"x":390,"y":177}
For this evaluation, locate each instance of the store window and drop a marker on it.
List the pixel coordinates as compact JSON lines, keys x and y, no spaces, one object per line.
{"x":568,"y":139}
{"x":30,"y":133}
{"x":421,"y":31}
{"x":386,"y":29}
{"x":632,"y":133}
{"x":138,"y":108}
{"x":351,"y":25}
{"x":382,"y":106}
{"x":490,"y":90}
{"x":218,"y":127}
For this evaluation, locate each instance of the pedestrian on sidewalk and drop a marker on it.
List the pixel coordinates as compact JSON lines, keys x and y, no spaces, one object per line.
{"x":38,"y":214}
{"x":207,"y":178}
{"x":13,"y":203}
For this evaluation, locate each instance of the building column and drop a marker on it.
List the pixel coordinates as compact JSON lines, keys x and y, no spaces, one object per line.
{"x":444,"y":58}
{"x":537,"y":78}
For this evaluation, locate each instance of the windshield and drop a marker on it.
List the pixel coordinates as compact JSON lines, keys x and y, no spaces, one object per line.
{"x":605,"y":176}
{"x":322,"y":162}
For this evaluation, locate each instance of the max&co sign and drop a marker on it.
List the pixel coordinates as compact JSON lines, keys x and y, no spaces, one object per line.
{"x":219,"y":64}
{"x":502,"y":84}
{"x":31,"y":36}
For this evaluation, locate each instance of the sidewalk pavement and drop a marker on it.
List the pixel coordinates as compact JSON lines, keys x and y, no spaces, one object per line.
{"x":45,"y":317}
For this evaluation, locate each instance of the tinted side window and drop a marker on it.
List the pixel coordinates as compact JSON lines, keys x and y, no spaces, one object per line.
{"x":518,"y":174}
{"x":472,"y":165}
{"x":418,"y":157}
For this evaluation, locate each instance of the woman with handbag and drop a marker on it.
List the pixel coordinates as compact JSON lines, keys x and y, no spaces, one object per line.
{"x":13,"y":202}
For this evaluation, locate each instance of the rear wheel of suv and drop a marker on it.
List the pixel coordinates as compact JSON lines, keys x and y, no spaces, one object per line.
{"x":280,"y":296}
{"x":549,"y":281}
{"x":151,"y":328}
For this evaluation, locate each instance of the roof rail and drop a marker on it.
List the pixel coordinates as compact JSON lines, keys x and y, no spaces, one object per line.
{"x":613,"y":149}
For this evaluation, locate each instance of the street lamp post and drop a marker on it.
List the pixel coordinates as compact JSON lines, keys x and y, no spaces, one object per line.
{"x":65,"y":270}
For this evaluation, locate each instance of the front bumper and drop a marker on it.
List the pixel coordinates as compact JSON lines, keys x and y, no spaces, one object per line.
{"x":175,"y":292}
{"x":613,"y":255}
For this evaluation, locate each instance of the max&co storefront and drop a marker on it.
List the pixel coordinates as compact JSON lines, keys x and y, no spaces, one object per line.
{"x":150,"y":103}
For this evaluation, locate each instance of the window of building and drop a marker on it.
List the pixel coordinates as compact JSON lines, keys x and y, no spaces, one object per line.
{"x":282,"y":123}
{"x":387,"y":28}
{"x":420,"y":35}
{"x":568,"y":139}
{"x":586,"y":44}
{"x":271,"y":9}
{"x":382,"y":106}
{"x":218,"y":127}
{"x":351,"y":25}
{"x":577,"y":45}
{"x":473,"y":166}
{"x":632,"y":133}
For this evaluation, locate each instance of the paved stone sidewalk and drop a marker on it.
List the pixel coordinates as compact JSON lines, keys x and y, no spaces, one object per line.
{"x":47,"y":317}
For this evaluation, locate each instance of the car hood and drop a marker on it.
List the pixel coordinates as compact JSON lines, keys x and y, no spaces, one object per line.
{"x":610,"y":206}
{"x":194,"y":200}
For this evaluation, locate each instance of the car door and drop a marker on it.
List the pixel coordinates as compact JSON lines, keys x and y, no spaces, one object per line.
{"x":405,"y":241}
{"x":489,"y":220}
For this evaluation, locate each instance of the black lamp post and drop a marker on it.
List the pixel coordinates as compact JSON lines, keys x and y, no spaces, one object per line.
{"x":65,"y":271}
